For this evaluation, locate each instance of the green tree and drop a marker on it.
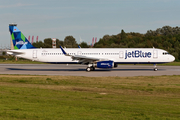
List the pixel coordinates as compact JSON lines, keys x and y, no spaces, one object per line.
{"x":123,"y":34}
{"x":70,"y":42}
{"x":48,"y":43}
{"x":166,"y":45}
{"x":176,"y":55}
{"x":38,"y":44}
{"x":84,"y":45}
{"x":148,"y":44}
{"x":3,"y":53}
{"x":59,"y":43}
{"x":113,"y":45}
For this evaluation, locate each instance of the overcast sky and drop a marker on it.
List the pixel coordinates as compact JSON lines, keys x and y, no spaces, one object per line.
{"x":85,"y":18}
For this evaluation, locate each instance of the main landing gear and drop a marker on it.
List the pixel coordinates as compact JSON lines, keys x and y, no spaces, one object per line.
{"x":155,"y":67}
{"x":90,"y":68}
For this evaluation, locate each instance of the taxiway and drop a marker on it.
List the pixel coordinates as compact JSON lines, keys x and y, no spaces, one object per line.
{"x":80,"y":70}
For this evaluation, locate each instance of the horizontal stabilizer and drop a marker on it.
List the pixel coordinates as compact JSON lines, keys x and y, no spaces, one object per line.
{"x":14,"y":52}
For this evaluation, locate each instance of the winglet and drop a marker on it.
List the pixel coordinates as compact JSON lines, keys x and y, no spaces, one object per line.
{"x":63,"y":51}
{"x":79,"y":46}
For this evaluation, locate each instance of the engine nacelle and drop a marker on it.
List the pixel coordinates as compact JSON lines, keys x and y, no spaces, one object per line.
{"x":105,"y":64}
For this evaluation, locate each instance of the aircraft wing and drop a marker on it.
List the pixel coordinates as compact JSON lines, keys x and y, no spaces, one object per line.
{"x":83,"y":59}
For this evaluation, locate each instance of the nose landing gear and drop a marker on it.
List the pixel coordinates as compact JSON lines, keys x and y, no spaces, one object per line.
{"x":155,"y":67}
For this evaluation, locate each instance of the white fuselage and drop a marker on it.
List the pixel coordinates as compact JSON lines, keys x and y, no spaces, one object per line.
{"x":118,"y":55}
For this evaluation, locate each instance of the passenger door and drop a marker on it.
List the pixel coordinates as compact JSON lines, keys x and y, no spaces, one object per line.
{"x":121,"y":54}
{"x":155,"y":53}
{"x":79,"y":53}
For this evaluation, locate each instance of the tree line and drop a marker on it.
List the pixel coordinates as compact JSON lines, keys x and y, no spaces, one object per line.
{"x":68,"y":42}
{"x":167,"y":38}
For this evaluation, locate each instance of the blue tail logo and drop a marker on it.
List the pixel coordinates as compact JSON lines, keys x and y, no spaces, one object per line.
{"x":18,"y":39}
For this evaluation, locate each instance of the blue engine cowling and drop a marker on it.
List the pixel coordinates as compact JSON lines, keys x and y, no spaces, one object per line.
{"x":105,"y":64}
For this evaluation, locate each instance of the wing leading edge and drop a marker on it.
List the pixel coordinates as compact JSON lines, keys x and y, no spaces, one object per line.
{"x":82,"y":59}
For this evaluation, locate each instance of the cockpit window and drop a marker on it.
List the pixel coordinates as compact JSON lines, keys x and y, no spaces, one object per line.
{"x":165,"y":53}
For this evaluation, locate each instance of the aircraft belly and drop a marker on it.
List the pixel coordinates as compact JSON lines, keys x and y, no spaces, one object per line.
{"x":55,"y":59}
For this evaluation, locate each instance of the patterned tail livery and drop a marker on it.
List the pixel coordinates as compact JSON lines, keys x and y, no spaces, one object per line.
{"x":18,"y":39}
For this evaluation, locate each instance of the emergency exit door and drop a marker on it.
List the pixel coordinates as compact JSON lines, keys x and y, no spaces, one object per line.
{"x":79,"y":53}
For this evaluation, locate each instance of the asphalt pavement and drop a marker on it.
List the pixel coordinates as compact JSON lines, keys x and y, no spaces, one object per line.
{"x":80,"y":70}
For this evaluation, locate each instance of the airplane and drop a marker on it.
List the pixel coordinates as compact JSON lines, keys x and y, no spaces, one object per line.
{"x":106,"y":58}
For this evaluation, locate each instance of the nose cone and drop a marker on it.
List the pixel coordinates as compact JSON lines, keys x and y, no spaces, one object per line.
{"x":172,"y":58}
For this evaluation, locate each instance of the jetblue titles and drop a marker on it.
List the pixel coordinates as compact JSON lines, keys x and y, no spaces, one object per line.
{"x":137,"y":54}
{"x":21,"y":43}
{"x":105,"y":64}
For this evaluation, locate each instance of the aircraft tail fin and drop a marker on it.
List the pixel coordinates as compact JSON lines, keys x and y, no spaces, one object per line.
{"x":19,"y":41}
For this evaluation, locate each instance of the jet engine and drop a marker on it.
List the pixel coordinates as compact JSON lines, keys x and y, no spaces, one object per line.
{"x":105,"y":64}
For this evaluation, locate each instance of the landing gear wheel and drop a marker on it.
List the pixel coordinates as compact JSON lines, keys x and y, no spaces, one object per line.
{"x":155,"y":69}
{"x":92,"y":68}
{"x":88,"y":69}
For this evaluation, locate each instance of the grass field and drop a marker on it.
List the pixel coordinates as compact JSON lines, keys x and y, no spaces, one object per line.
{"x":3,"y":61}
{"x":90,"y":98}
